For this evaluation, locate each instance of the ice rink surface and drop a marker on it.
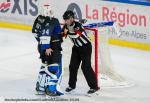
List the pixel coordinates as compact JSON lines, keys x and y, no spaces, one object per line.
{"x":19,"y":65}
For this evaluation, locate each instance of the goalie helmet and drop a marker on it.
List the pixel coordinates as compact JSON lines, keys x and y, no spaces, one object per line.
{"x":46,"y":10}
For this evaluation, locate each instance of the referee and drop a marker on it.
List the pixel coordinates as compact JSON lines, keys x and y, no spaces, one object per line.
{"x":81,"y":51}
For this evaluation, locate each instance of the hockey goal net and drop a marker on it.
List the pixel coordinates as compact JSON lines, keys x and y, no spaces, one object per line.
{"x":101,"y":59}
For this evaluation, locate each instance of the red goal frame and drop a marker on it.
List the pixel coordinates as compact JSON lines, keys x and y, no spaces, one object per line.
{"x":95,"y":51}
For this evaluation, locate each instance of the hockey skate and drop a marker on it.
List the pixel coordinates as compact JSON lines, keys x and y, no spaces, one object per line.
{"x":38,"y":90}
{"x":93,"y":92}
{"x":69,"y":89}
{"x":53,"y":93}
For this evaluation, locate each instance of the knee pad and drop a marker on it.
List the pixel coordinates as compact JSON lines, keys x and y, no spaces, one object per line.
{"x":42,"y":68}
{"x":53,"y":68}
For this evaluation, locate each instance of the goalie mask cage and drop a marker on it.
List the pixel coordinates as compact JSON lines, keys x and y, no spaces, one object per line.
{"x":101,"y":59}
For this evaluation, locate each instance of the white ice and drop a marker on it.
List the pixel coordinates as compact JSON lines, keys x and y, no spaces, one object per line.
{"x":19,"y":65}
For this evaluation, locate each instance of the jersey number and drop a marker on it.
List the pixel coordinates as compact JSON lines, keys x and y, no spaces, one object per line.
{"x":45,"y":32}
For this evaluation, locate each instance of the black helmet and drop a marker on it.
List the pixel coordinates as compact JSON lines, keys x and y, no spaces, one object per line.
{"x":68,"y":14}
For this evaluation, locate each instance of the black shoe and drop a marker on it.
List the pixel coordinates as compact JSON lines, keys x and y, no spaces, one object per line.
{"x":93,"y":90}
{"x":69,"y":89}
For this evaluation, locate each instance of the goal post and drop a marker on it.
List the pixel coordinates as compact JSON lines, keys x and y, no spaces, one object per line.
{"x":95,"y":34}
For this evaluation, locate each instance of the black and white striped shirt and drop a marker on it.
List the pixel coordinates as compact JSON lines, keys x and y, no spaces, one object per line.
{"x":77,"y":34}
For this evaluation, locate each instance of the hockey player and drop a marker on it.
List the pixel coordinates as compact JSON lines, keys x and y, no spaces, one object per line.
{"x":81,"y":52}
{"x":48,"y":34}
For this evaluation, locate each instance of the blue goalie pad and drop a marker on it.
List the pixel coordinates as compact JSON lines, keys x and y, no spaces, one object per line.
{"x":53,"y":69}
{"x":53,"y":79}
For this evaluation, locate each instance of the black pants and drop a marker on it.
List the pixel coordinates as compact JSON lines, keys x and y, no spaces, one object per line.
{"x":82,"y":54}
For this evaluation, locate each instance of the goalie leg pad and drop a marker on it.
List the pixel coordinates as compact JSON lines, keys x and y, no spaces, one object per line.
{"x":40,"y":85}
{"x":52,"y":77}
{"x":52,"y":80}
